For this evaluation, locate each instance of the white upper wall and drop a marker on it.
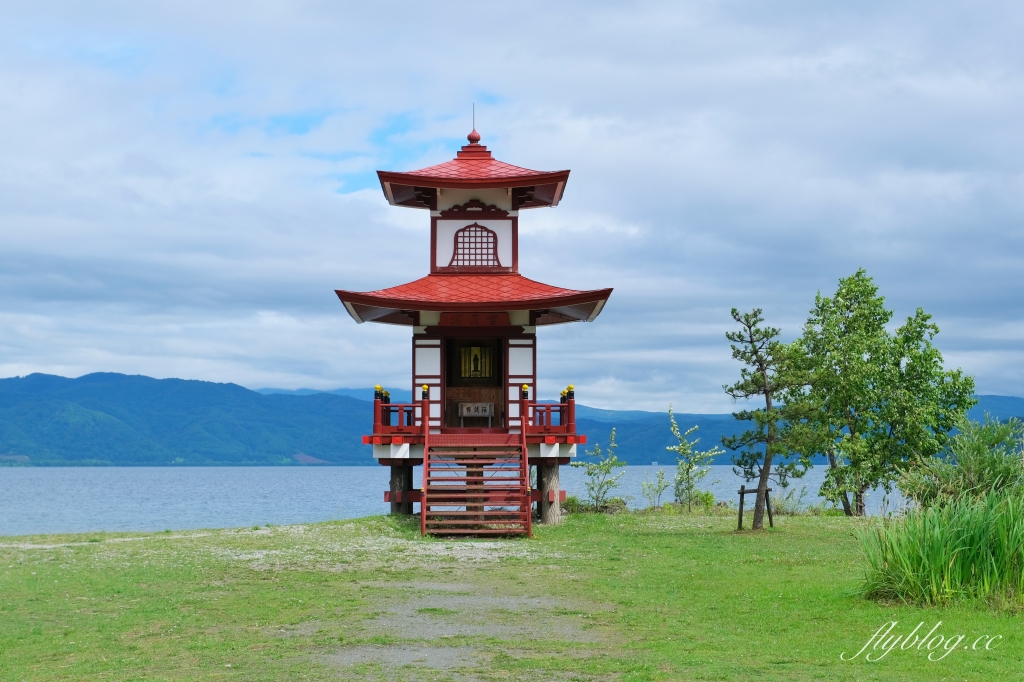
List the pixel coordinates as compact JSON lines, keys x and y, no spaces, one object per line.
{"x":446,"y":230}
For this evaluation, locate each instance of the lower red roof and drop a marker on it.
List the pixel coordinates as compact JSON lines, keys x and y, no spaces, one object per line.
{"x":474,"y":293}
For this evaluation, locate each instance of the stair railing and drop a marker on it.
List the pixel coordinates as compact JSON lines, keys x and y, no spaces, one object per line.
{"x":524,"y":471}
{"x":425,"y":424}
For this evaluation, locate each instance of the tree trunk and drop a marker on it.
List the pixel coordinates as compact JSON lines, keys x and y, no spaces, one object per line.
{"x":858,"y":499}
{"x":547,"y":481}
{"x":766,"y":469}
{"x":401,"y":485}
{"x":762,"y":486}
{"x":843,"y":497}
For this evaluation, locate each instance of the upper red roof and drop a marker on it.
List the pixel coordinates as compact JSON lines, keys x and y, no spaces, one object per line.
{"x":475,"y":293}
{"x":475,"y":289}
{"x":473,"y":167}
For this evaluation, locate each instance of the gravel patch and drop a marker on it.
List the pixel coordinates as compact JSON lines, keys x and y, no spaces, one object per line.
{"x":398,"y":655}
{"x":449,"y":614}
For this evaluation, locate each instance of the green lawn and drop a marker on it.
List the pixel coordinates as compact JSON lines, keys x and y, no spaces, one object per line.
{"x":631,"y":597}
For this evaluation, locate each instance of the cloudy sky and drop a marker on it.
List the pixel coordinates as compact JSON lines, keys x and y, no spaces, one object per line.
{"x":184,"y":184}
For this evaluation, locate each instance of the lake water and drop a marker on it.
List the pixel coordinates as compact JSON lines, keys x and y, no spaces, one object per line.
{"x":82,"y":499}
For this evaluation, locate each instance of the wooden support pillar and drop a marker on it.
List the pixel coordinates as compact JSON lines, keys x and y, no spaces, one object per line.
{"x":401,"y":486}
{"x":547,"y":481}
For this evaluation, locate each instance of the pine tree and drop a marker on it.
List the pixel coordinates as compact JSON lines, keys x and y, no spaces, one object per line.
{"x":773,"y":371}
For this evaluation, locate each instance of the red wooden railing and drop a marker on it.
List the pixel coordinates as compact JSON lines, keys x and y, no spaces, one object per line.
{"x":394,"y":418}
{"x":542,"y":417}
{"x":538,"y":418}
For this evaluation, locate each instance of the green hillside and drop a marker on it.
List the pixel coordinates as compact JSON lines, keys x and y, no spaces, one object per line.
{"x":116,"y":419}
{"x":135,"y":420}
{"x":643,"y":436}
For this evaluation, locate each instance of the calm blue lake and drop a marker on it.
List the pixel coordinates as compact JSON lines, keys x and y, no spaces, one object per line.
{"x":81,"y":499}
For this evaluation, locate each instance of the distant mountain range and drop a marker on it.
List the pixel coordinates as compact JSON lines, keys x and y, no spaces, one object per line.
{"x":121,"y":420}
{"x":135,"y":420}
{"x":398,"y":395}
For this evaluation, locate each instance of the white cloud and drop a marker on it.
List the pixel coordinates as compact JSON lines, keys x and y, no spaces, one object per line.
{"x":184,"y":184}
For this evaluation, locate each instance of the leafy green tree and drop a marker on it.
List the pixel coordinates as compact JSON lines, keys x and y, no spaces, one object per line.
{"x":982,"y":458}
{"x":876,"y":400}
{"x":601,"y":476}
{"x":773,"y":371}
{"x":653,"y":490}
{"x":691,"y":465}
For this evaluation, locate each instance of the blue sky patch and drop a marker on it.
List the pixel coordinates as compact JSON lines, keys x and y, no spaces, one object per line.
{"x":295,"y":124}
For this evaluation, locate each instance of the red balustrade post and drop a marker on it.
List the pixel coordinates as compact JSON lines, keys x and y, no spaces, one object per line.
{"x":570,"y":401}
{"x":524,"y":414}
{"x":378,"y":395}
{"x":524,"y":409}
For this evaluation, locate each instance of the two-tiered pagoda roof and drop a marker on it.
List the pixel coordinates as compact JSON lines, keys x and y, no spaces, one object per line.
{"x":474,"y":168}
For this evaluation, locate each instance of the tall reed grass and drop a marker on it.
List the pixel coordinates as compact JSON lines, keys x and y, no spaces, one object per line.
{"x":968,"y":549}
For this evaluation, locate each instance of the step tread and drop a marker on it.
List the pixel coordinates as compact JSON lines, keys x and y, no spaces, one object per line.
{"x":435,"y":486}
{"x":464,"y":520}
{"x":516,"y":512}
{"x":476,"y":531}
{"x":477,"y":480}
{"x":474,"y":439}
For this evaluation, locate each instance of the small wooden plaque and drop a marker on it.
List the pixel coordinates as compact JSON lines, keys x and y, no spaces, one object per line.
{"x":476,"y":410}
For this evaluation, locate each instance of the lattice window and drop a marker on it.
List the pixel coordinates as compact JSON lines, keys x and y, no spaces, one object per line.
{"x":475,"y":246}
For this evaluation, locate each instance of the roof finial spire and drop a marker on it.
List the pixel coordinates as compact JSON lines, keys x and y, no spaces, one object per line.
{"x":474,"y":137}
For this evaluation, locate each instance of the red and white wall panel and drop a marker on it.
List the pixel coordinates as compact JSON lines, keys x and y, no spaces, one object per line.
{"x":427,"y":368}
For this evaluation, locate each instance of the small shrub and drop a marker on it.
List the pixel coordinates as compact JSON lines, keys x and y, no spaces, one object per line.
{"x":703,"y":504}
{"x":691,"y":465}
{"x":601,"y":476}
{"x":614,"y":505}
{"x":723,"y":508}
{"x":653,"y":490}
{"x":611,"y":505}
{"x":573,"y":505}
{"x":791,"y":503}
{"x":702,"y":500}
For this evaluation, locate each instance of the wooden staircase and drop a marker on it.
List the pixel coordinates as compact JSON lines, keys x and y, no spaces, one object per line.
{"x":475,"y":485}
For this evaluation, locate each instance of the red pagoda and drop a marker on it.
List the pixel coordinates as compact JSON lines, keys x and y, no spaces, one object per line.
{"x":477,"y":428}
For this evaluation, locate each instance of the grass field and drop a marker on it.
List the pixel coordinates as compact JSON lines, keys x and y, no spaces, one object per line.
{"x":631,"y":597}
